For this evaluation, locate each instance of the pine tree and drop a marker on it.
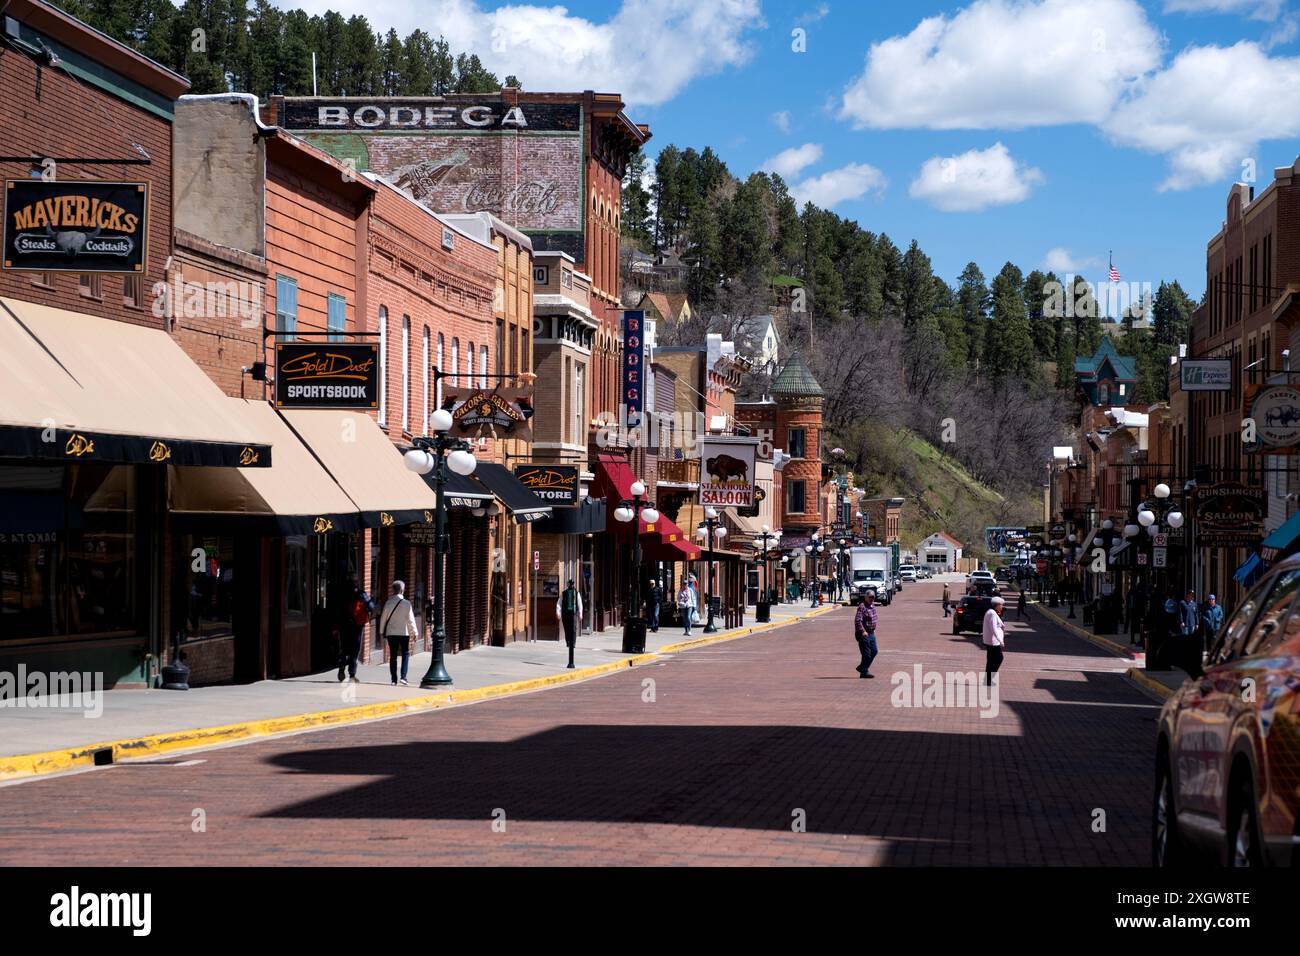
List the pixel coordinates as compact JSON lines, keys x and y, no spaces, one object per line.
{"x":1171,"y":314}
{"x":634,"y":211}
{"x":973,"y":303}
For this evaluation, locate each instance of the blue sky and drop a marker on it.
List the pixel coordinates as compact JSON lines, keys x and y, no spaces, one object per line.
{"x":1046,"y":132}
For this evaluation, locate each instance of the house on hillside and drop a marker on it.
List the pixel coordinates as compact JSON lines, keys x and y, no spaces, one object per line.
{"x":1106,"y":378}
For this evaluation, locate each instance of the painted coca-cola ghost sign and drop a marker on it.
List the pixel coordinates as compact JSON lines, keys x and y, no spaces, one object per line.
{"x":520,"y":162}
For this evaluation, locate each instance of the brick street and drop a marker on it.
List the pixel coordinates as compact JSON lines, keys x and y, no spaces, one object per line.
{"x":742,"y":740}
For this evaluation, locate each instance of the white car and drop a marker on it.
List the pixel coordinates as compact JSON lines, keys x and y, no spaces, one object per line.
{"x":907,"y":572}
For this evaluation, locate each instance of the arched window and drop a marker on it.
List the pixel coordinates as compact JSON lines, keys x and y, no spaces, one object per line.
{"x":483,"y":366}
{"x":455,"y":359}
{"x":424,"y":404}
{"x":437,"y":398}
{"x":406,"y":373}
{"x":383,"y":365}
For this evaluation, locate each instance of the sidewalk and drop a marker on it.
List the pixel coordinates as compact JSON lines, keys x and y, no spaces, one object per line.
{"x":1160,"y":685}
{"x":136,"y":723}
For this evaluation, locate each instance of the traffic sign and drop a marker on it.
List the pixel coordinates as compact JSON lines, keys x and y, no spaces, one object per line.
{"x":1142,"y":558}
{"x":537,"y":560}
{"x":1158,"y":558}
{"x":1161,"y":540}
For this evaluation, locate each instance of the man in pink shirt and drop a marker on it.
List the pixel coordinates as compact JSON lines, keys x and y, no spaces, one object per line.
{"x":993,"y":640}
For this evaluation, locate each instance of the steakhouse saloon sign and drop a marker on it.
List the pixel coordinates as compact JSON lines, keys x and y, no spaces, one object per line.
{"x":71,"y":226}
{"x":333,"y":375}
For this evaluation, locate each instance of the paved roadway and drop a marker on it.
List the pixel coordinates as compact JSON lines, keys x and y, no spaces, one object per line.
{"x":763,"y":750}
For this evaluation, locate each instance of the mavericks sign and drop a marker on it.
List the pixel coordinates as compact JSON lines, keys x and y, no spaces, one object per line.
{"x":75,"y":226}
{"x":333,"y":375}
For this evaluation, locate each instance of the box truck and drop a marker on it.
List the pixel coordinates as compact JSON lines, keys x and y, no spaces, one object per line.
{"x":872,"y":568}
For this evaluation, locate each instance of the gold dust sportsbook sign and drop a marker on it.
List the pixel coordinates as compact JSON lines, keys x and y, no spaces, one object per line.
{"x":327,"y":375}
{"x":75,"y":226}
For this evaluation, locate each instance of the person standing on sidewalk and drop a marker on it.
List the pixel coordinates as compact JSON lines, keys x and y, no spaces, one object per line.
{"x":1022,"y":611}
{"x":397,"y":624}
{"x":354,"y":614}
{"x":947,"y":599}
{"x":568,"y":611}
{"x":1211,"y":621}
{"x":993,"y":639}
{"x":1189,"y":624}
{"x":864,"y":630}
{"x":656,"y":599}
{"x":686,"y":605}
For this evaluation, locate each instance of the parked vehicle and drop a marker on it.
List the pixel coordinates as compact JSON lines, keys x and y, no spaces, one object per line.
{"x":1227,"y":760}
{"x":976,"y":576}
{"x":907,"y":572}
{"x":869,"y":569}
{"x":983,"y":587}
{"x":968,"y":615}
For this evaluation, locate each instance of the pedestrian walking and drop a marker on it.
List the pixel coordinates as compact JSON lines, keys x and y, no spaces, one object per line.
{"x":947,"y":599}
{"x":1188,"y":656}
{"x":397,"y":625}
{"x":993,"y":639}
{"x":568,"y":611}
{"x":355,"y":610}
{"x":1022,"y":609}
{"x":656,"y":599}
{"x":1211,"y":621}
{"x":686,"y":605}
{"x":864,"y":630}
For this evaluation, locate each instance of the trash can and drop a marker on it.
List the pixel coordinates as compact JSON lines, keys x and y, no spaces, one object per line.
{"x":634,"y":635}
{"x":763,"y":612}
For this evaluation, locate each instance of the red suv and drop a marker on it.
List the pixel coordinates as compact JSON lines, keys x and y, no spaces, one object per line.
{"x":1228,"y":745}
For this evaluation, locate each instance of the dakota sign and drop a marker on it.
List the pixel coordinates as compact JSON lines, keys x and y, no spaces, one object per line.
{"x":727,"y":471}
{"x":70,"y":226}
{"x":554,"y":484}
{"x":327,"y":375}
{"x":1228,"y":514}
{"x":494,"y":413}
{"x":521,"y":162}
{"x":1274,"y":412}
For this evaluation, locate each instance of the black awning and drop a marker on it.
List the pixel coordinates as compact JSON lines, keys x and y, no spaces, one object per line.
{"x":519,"y":501}
{"x":588,"y":517}
{"x":463,"y":491}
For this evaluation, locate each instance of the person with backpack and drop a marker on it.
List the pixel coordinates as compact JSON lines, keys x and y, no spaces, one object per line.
{"x":686,"y":605}
{"x":568,"y":611}
{"x":354,"y":614}
{"x":397,"y":625}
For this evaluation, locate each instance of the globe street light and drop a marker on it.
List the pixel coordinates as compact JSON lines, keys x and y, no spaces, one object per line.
{"x":634,"y":510}
{"x":763,"y":544}
{"x":436,"y":454}
{"x":710,"y":528}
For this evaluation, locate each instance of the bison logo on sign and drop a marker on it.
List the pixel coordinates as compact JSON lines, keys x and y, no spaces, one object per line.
{"x":723,"y":468}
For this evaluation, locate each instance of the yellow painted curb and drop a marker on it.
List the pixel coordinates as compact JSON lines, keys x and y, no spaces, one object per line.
{"x":1149,"y":684}
{"x":747,"y":632}
{"x":1102,"y":642}
{"x":56,"y":761}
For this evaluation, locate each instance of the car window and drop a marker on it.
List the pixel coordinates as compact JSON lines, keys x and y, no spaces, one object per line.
{"x":1237,"y":629}
{"x":1273,"y":626}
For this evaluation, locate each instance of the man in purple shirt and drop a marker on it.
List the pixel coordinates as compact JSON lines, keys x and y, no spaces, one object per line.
{"x":864,"y":629}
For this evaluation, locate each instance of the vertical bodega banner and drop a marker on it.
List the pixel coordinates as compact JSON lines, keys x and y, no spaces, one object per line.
{"x":75,"y":226}
{"x":727,"y":471}
{"x":327,"y":375}
{"x":633,"y":398}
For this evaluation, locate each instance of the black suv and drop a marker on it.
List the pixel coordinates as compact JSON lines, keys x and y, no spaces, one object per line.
{"x":969,"y":614}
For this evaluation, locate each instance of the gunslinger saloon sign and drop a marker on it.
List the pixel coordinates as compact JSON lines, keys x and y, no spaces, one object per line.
{"x":327,"y":375}
{"x":492,"y":413}
{"x":75,"y":226}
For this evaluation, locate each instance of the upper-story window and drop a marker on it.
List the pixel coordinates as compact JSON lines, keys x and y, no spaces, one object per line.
{"x":383,"y":365}
{"x":798,"y":443}
{"x":286,"y":306}
{"x":337,"y":316}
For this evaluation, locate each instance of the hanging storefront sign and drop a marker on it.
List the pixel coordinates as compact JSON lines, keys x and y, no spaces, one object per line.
{"x":1228,"y":514}
{"x":327,"y":375}
{"x":727,"y":471}
{"x":633,"y":396}
{"x":554,"y":484}
{"x":491,"y":413}
{"x":73,"y":226}
{"x":1205,"y":375}
{"x":1273,"y":418}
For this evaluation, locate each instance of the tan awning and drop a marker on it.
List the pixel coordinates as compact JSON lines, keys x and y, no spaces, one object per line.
{"x":76,"y":387}
{"x":294,"y":496}
{"x":369,"y":467}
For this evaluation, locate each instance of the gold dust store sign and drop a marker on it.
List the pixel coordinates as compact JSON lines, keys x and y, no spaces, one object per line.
{"x":327,"y":375}
{"x":75,"y":226}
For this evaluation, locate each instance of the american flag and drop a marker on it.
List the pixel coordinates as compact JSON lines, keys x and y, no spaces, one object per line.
{"x":1114,"y":273}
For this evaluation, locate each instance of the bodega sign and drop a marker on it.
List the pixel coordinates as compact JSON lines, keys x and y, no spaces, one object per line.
{"x":727,"y":471}
{"x":332,"y":375}
{"x":75,"y":226}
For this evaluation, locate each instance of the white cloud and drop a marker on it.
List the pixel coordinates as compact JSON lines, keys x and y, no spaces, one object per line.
{"x":814,"y":15}
{"x":1062,"y":261}
{"x":649,"y":51}
{"x":974,"y":180}
{"x":1209,"y":110}
{"x":831,"y":188}
{"x":1002,"y":64}
{"x":791,"y":162}
{"x":1255,"y":9}
{"x":782,"y":120}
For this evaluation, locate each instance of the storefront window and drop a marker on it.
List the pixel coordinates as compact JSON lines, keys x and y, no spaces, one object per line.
{"x":67,"y":550}
{"x":209,"y":585}
{"x":295,"y":574}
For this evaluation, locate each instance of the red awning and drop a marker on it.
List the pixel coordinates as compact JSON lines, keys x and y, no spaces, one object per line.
{"x":661,"y":541}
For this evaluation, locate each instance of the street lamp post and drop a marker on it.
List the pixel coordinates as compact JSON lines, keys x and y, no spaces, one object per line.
{"x":437,"y":454}
{"x":634,"y":509}
{"x":710,"y":527}
{"x":763,"y":612}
